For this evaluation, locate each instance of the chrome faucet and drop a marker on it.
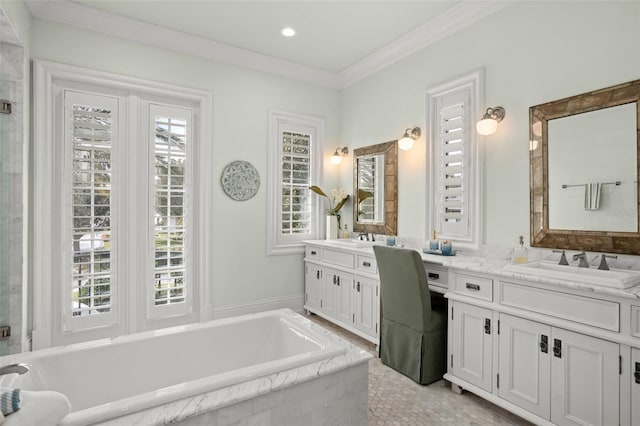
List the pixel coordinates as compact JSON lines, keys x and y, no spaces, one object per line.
{"x":14,"y":368}
{"x":603,"y":261}
{"x":563,"y":257}
{"x":583,"y":259}
{"x":363,"y":236}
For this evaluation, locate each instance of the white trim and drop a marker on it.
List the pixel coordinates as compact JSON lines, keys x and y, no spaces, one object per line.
{"x":474,"y":83}
{"x":45,"y":181}
{"x":451,"y":21}
{"x":294,"y":302}
{"x":275,"y":243}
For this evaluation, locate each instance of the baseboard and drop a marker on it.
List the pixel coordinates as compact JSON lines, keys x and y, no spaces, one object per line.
{"x":292,"y":302}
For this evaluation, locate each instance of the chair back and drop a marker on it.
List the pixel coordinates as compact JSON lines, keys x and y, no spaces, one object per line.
{"x":404,"y":291}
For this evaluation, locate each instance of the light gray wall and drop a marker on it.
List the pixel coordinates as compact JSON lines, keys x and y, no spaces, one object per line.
{"x":242,"y":272}
{"x":532,"y":52}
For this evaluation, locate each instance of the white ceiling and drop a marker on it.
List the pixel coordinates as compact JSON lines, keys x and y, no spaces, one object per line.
{"x":337,"y":42}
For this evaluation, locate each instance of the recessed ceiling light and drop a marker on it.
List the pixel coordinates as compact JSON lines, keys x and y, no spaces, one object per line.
{"x":288,"y":32}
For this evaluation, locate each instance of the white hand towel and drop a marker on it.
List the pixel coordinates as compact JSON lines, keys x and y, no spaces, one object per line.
{"x":40,"y":408}
{"x":592,"y":196}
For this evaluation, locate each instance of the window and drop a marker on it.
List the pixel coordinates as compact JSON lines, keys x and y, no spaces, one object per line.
{"x":115,"y":206}
{"x":293,"y":211}
{"x":454,"y":199}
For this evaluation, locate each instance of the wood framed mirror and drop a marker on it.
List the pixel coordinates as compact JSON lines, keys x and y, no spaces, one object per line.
{"x":375,"y":188}
{"x":584,"y":171}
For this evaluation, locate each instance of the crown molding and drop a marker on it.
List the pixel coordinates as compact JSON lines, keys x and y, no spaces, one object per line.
{"x":452,"y":20}
{"x":81,"y":16}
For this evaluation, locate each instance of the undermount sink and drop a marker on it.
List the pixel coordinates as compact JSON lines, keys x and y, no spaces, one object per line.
{"x":614,"y":278}
{"x":351,"y":243}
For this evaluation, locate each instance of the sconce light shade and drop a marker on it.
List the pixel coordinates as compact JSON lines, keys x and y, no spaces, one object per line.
{"x":489,"y":123}
{"x":407,"y":140}
{"x":336,"y":158}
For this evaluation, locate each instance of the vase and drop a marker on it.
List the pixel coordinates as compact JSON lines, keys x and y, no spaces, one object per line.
{"x":332,"y":228}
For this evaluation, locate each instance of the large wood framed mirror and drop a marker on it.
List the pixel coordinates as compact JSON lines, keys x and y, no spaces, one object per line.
{"x":584,"y":171}
{"x":375,"y":188}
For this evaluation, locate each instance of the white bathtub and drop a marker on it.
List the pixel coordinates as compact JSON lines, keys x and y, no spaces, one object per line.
{"x":108,"y":378}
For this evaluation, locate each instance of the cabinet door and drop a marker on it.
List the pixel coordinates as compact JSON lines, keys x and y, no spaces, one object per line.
{"x":344,"y":290}
{"x":313,"y":286}
{"x":471,"y":344}
{"x":330,"y":292}
{"x":525,"y":364}
{"x":585,"y":380}
{"x":635,"y":386}
{"x":366,"y":305}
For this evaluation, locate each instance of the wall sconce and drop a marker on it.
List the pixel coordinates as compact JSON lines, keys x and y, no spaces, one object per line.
{"x":409,"y":137}
{"x":336,"y":158}
{"x":489,"y":123}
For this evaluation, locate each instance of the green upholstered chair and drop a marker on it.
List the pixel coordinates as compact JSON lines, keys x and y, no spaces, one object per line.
{"x":413,"y":336}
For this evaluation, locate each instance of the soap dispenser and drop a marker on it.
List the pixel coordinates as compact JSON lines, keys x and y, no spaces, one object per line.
{"x":520,"y":254}
{"x":433,"y":242}
{"x":345,"y":232}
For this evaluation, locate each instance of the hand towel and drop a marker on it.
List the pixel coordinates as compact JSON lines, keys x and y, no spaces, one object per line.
{"x":10,"y":400}
{"x":40,"y":408}
{"x":592,"y":196}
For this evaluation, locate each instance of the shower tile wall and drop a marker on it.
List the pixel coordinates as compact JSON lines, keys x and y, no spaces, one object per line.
{"x":11,"y":187}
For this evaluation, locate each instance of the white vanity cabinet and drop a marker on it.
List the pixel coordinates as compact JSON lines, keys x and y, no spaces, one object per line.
{"x":342,"y":286}
{"x":553,"y":355}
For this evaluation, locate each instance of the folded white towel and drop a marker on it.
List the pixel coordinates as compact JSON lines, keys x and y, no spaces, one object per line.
{"x":41,"y":408}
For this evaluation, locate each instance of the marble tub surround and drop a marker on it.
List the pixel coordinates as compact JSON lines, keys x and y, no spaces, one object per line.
{"x":327,"y":392}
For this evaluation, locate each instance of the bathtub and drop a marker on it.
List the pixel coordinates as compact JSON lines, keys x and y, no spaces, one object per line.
{"x":109,"y":378}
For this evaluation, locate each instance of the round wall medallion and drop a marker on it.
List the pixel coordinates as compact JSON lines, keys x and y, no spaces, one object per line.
{"x":240,"y":180}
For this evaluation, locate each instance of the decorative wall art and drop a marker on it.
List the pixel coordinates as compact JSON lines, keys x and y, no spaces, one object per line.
{"x":240,"y":180}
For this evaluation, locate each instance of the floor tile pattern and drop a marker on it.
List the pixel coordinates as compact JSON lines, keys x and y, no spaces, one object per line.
{"x":396,"y":400}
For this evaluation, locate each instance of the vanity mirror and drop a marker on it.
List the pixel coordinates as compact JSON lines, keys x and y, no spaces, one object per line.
{"x":375,"y":183}
{"x":584,"y":171}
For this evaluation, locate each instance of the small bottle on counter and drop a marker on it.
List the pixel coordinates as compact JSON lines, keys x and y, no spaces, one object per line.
{"x":345,"y":232}
{"x":433,"y":242}
{"x":520,"y":253}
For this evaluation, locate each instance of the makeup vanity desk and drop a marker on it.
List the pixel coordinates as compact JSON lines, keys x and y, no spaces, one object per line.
{"x":553,"y":351}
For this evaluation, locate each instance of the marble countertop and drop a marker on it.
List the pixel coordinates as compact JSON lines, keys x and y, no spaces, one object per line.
{"x":492,"y":260}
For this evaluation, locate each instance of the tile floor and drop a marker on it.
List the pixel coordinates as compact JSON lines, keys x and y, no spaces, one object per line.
{"x":396,"y":400}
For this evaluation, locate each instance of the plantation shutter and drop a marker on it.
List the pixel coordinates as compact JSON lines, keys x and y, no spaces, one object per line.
{"x":295,"y":181}
{"x":170,"y":148}
{"x":91,"y":140}
{"x":452,"y":151}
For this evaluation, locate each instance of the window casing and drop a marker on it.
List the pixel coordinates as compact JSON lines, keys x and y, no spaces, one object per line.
{"x":454,"y":179}
{"x":115,"y":205}
{"x":293,"y":167}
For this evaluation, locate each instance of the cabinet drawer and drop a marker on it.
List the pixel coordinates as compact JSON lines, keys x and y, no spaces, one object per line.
{"x":436,"y":276}
{"x":482,"y":288}
{"x":338,"y":257}
{"x":312,"y":252}
{"x":635,"y":321}
{"x":585,"y":310}
{"x":367,"y":264}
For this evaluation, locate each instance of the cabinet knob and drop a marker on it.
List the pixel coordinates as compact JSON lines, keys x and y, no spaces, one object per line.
{"x":367,"y":264}
{"x":313,"y":252}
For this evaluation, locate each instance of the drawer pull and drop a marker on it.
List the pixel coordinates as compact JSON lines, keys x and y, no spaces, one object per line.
{"x":338,"y":281}
{"x":358,"y":287}
{"x":318,"y":274}
{"x":313,"y":253}
{"x":487,"y":326}
{"x":434,"y":276}
{"x":557,"y":348}
{"x":474,"y":287}
{"x":636,"y":374}
{"x":367,"y":264}
{"x":544,"y":344}
{"x":334,"y":279}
